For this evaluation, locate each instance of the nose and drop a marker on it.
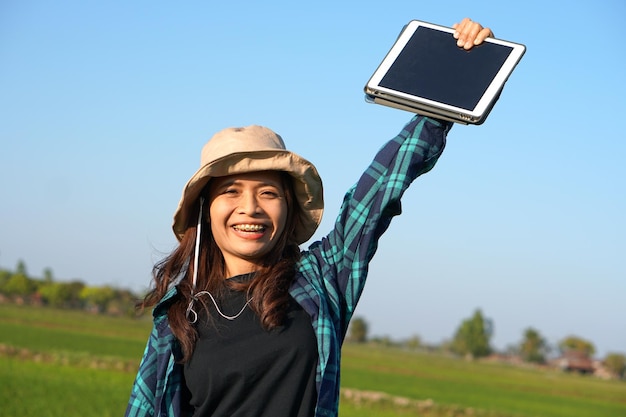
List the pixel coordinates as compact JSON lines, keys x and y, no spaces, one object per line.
{"x":249,"y":204}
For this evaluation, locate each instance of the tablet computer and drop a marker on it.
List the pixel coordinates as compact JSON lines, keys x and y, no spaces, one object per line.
{"x":426,"y":72}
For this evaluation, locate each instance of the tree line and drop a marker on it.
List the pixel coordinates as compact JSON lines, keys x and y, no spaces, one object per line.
{"x":472,"y":339}
{"x":19,"y":287}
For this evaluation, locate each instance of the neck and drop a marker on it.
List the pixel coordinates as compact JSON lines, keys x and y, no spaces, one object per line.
{"x":239,"y":267}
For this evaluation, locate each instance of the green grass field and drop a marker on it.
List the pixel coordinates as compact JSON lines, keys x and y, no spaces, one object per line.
{"x":503,"y":389}
{"x":68,"y":363}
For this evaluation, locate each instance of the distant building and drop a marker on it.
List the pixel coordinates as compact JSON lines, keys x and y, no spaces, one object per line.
{"x":574,"y":361}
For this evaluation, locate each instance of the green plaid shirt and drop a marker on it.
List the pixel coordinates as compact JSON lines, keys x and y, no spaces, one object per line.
{"x":330,"y":277}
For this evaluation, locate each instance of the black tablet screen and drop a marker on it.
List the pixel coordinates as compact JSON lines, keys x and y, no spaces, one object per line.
{"x":432,"y":66}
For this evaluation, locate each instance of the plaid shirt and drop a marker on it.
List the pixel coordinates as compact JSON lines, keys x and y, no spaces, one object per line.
{"x":330,"y":277}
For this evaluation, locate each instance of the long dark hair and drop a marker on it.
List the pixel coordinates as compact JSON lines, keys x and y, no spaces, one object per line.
{"x":269,"y":289}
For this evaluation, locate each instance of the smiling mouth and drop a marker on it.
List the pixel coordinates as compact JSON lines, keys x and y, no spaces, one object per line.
{"x":256,"y":228}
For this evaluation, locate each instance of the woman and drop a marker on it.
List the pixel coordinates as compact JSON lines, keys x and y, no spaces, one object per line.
{"x":245,"y":324}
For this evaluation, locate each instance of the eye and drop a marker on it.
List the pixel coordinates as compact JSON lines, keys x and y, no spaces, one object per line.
{"x":270,"y":193}
{"x":229,"y":191}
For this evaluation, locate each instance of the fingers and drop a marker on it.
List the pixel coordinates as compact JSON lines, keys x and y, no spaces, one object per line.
{"x":482,"y":35}
{"x":469,"y":33}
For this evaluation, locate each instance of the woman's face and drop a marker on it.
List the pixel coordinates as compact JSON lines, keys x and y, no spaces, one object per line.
{"x":247,"y":213}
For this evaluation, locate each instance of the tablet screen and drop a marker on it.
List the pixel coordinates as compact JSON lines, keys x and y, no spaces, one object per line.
{"x":432,"y":66}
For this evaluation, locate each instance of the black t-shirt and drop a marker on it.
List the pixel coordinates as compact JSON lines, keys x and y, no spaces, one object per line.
{"x":239,"y":369}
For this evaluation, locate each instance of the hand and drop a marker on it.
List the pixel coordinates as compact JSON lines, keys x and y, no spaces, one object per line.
{"x":469,"y":33}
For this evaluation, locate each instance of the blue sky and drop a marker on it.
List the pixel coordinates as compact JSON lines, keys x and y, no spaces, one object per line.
{"x":105,"y":106}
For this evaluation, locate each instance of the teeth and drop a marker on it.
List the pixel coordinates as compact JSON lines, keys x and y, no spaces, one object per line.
{"x":249,"y":227}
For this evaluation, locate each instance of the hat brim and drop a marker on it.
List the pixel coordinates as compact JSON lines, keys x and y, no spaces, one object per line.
{"x":307,"y":186}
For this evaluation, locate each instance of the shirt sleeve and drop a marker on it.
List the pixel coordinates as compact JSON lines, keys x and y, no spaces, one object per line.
{"x":158,"y":387}
{"x":368,"y":208}
{"x":141,"y":402}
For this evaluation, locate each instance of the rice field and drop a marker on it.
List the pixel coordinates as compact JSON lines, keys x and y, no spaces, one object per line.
{"x":68,"y":363}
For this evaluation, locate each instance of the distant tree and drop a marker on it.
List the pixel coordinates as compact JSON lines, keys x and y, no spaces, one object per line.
{"x":125,"y":302}
{"x":4,"y":278}
{"x":473,"y":335}
{"x":413,"y":343}
{"x":616,"y":363}
{"x":73,"y":290}
{"x":98,"y":297}
{"x":358,"y":330}
{"x":127,"y":296}
{"x":56,"y":294}
{"x":20,"y":285}
{"x":20,"y":268}
{"x":47,"y":275}
{"x":62,"y":294}
{"x":385,"y":341}
{"x":533,"y":347}
{"x":577,"y":344}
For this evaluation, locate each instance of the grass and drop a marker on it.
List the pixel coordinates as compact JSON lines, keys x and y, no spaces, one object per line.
{"x":64,"y":363}
{"x":49,"y":330}
{"x":69,"y":363}
{"x":504,"y":389}
{"x":75,"y":320}
{"x":55,"y":390}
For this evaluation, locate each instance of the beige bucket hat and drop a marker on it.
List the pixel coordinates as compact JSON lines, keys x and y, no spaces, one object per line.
{"x":249,"y":149}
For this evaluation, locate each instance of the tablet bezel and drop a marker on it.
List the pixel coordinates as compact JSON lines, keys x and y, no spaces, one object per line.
{"x":373,"y":87}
